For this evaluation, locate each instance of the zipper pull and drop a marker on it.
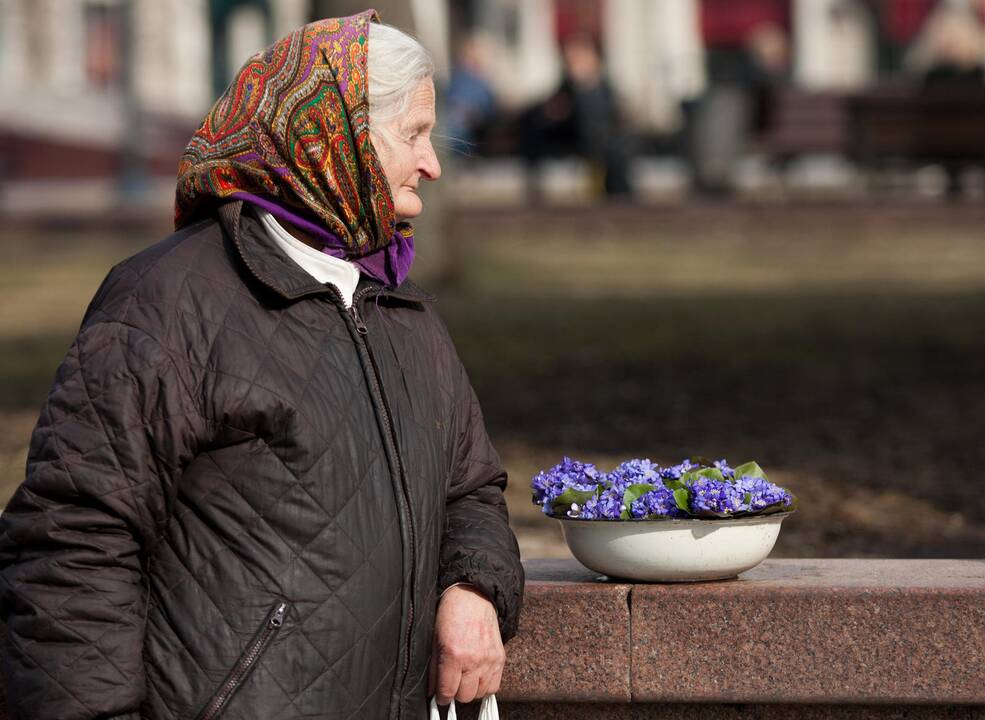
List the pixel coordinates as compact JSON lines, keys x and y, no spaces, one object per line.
{"x":360,"y":326}
{"x":277,"y":619}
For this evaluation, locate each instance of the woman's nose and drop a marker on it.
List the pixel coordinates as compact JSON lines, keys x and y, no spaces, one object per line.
{"x":430,"y":167}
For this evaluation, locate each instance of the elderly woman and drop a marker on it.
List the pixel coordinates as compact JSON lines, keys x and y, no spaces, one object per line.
{"x":261,"y":486}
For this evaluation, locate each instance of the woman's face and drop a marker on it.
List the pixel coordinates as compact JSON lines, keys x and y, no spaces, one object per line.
{"x":405,"y":151}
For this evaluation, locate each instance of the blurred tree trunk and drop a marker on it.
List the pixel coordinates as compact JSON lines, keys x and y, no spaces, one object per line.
{"x":435,"y":263}
{"x":133,"y":175}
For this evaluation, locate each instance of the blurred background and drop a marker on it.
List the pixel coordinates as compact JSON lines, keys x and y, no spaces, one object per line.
{"x":749,"y":229}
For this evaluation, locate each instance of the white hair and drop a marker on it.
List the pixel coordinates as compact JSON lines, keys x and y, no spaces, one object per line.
{"x":396,"y":64}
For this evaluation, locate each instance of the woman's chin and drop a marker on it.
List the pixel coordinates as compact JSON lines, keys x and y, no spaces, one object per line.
{"x":408,"y":206}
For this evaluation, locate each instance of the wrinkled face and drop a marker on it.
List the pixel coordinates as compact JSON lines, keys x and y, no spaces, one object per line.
{"x":404,"y":148}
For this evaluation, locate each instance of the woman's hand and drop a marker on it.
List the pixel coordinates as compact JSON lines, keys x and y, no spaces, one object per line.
{"x":468,"y":657}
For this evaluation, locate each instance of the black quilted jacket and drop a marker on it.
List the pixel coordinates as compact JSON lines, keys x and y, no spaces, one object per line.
{"x":242,"y":500}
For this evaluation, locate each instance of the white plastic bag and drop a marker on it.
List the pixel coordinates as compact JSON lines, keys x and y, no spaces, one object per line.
{"x":487,"y":711}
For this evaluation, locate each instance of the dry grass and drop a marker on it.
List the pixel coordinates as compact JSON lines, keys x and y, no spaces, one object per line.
{"x":755,"y":251}
{"x":45,"y":286}
{"x":840,"y":349}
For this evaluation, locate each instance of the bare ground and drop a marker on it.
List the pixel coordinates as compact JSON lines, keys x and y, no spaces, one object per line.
{"x":841,"y":347}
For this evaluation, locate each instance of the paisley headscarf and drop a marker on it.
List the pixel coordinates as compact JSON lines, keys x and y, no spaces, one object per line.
{"x":291,"y":135}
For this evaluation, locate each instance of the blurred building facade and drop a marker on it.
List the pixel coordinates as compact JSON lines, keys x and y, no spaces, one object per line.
{"x":655,"y":51}
{"x":71,"y":75}
{"x":69,"y":53}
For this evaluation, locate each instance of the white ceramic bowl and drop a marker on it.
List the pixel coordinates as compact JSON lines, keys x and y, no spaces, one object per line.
{"x":672,"y":550}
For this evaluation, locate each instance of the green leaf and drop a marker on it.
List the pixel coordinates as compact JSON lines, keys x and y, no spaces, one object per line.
{"x":673,"y":484}
{"x":682,"y":497}
{"x":750,"y":469}
{"x":711,"y":473}
{"x":634,"y":492}
{"x":562,"y":503}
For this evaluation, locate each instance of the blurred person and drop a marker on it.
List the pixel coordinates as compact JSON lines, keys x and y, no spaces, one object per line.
{"x":747,"y":55}
{"x":471,"y":106}
{"x":948,"y":56}
{"x":260,"y":486}
{"x":581,"y":118}
{"x":950,"y":48}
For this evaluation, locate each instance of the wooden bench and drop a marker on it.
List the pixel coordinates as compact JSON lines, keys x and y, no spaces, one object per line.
{"x":801,"y":122}
{"x":894,"y":126}
{"x":933,"y":124}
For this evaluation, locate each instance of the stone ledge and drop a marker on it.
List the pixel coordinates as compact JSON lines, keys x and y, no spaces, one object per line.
{"x":691,"y":711}
{"x":586,"y":662}
{"x":841,"y":632}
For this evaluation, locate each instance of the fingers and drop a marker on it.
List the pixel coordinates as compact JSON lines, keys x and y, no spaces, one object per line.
{"x":467,"y":655}
{"x":491,"y":675}
{"x":494,"y":682}
{"x":482,"y":689}
{"x":468,"y":687}
{"x":455,"y":680}
{"x":449,"y":679}
{"x":480,"y":680}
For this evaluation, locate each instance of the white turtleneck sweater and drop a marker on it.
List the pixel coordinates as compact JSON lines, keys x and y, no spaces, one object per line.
{"x":322,"y":267}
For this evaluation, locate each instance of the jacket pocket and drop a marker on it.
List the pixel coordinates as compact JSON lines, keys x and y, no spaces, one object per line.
{"x":247,"y":661}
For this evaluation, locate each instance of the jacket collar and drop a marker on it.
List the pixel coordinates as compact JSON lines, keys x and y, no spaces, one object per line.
{"x":283,"y":276}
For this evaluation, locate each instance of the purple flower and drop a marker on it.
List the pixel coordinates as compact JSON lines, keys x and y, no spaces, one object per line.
{"x":727,"y":472}
{"x":607,"y":505}
{"x":600,"y":495}
{"x":674,"y":472}
{"x":714,"y":496}
{"x":632,"y":472}
{"x":762,"y":493}
{"x":548,"y":485}
{"x":656,"y":502}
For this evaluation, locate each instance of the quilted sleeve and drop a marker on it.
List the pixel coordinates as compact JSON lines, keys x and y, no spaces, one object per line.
{"x":478,"y":546}
{"x":112,"y":436}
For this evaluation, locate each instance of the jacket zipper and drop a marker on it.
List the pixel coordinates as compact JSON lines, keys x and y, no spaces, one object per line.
{"x":404,"y":502}
{"x":360,"y":327}
{"x":246,"y":662}
{"x":362,"y":331}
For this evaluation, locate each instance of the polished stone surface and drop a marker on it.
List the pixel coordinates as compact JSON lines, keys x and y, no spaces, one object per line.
{"x":815,"y":631}
{"x":573,"y":638}
{"x":789,"y":631}
{"x":683,"y":711}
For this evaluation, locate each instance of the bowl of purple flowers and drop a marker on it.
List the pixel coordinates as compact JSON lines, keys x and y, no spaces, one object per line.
{"x":697,"y":520}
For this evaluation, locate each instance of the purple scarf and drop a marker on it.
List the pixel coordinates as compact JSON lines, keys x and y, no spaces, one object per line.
{"x":389,"y":265}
